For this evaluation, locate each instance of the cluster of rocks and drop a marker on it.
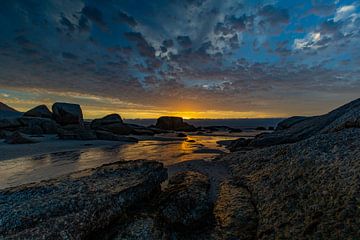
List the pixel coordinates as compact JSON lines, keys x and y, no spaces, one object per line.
{"x":122,"y":200}
{"x":66,"y":120}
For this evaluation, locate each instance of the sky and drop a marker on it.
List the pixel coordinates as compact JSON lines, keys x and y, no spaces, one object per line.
{"x":190,"y":58}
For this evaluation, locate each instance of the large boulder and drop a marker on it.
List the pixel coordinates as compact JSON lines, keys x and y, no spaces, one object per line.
{"x":305,"y":190}
{"x":37,"y":125}
{"x":19,"y":138}
{"x":174,"y":124}
{"x":77,"y":205}
{"x":186,"y":202}
{"x":111,"y":123}
{"x":40,"y":111}
{"x":67,"y":113}
{"x":107,"y":120}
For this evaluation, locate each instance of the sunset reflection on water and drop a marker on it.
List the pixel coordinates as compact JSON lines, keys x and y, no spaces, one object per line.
{"x":46,"y":166}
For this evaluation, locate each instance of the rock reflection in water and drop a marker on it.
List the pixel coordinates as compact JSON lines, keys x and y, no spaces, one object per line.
{"x":31,"y":169}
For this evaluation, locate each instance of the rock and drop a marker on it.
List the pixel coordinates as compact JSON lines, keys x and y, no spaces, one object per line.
{"x":19,"y":138}
{"x":235,"y":214}
{"x":107,"y":120}
{"x":305,"y":190}
{"x":10,"y":124}
{"x":67,"y":113}
{"x":117,"y":128}
{"x":185,"y":202}
{"x":299,"y":128}
{"x":286,"y":123}
{"x":40,"y":111}
{"x":260,"y":128}
{"x":141,"y":130}
{"x":77,"y":205}
{"x":76,"y":134}
{"x":182,"y":135}
{"x":208,"y":151}
{"x":174,"y":124}
{"x":5,"y":134}
{"x":37,"y":125}
{"x":141,"y":227}
{"x":104,"y":135}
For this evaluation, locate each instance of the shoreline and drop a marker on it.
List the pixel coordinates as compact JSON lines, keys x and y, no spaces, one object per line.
{"x":50,"y":144}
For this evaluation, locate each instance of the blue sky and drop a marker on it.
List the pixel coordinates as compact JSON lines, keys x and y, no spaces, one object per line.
{"x":205,"y":57}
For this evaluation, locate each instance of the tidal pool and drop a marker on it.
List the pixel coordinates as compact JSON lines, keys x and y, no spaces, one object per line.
{"x":22,"y":170}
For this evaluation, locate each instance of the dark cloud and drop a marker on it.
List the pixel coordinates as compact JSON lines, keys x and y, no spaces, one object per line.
{"x":207,"y":54}
{"x":94,"y":15}
{"x":184,"y":41}
{"x":274,"y":16}
{"x":124,"y":18}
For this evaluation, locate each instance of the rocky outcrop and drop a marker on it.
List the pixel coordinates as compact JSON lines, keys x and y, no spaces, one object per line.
{"x":19,"y":138}
{"x":174,"y":124}
{"x":287,"y":123}
{"x":67,"y":114}
{"x":79,"y":204}
{"x":111,"y":123}
{"x":107,"y":120}
{"x":185,"y":201}
{"x":36,"y":125}
{"x":305,"y":190}
{"x":299,"y":128}
{"x":40,"y":111}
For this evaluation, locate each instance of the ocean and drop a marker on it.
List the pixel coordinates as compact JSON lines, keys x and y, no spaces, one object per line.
{"x":241,"y":123}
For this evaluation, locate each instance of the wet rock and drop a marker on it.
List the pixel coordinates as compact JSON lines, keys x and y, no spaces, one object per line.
{"x":185,"y":201}
{"x":235,"y":214}
{"x":67,"y":113}
{"x":40,"y":111}
{"x":104,"y":135}
{"x":304,"y":190}
{"x":107,"y":120}
{"x":174,"y":124}
{"x":76,"y":205}
{"x":19,"y":138}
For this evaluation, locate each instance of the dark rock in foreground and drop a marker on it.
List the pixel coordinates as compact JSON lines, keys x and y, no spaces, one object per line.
{"x":235,"y":214}
{"x":40,"y":111}
{"x":78,"y":204}
{"x":186,"y":200}
{"x":305,"y":190}
{"x":174,"y":124}
{"x":67,"y":113}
